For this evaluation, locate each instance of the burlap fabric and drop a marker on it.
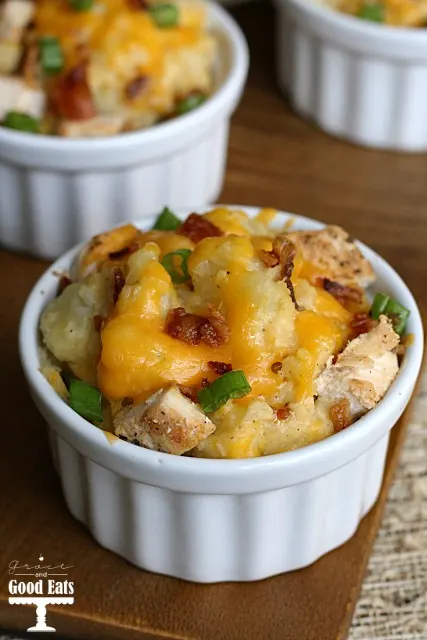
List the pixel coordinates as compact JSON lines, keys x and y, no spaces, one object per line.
{"x":393,"y":602}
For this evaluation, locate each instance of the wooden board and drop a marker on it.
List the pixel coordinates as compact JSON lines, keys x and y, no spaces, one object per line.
{"x":276,"y":159}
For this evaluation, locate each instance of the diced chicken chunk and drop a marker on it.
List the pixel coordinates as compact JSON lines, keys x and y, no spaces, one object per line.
{"x":335,"y":255}
{"x":16,"y":95}
{"x":92,"y":128}
{"x":15,"y":15}
{"x":167,"y":422}
{"x":364,"y":370}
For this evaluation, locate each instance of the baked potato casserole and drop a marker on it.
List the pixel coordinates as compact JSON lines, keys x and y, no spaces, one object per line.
{"x":85,"y":68}
{"x":221,"y":336}
{"x":399,"y":13}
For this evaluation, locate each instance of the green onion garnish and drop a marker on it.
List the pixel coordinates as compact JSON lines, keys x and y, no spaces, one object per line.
{"x":372,"y":11}
{"x":81,"y":5}
{"x":51,"y":57}
{"x":189,"y":103}
{"x":164,"y":14}
{"x":167,"y":221}
{"x":21,"y":122}
{"x":169,"y":264}
{"x":384,"y":305}
{"x":231,"y":385}
{"x":86,"y":400}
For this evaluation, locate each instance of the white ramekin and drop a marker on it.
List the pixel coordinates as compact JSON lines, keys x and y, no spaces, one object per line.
{"x":56,"y":192}
{"x":356,"y":79}
{"x":217,"y":520}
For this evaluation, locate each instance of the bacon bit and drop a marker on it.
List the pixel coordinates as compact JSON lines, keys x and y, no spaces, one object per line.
{"x":64,"y":282}
{"x":30,"y":63}
{"x":361,"y":323}
{"x":192,"y":328}
{"x":118,"y":283}
{"x":188,"y":392}
{"x":138,"y":5}
{"x":134,"y":88}
{"x":219,"y":367}
{"x":116,"y":255}
{"x":71,"y":97}
{"x":197,"y":227}
{"x":219,"y":324}
{"x":184,"y":326}
{"x":335,"y":358}
{"x":342,"y":293}
{"x":340,"y":415}
{"x":205,"y":382}
{"x":283,"y":253}
{"x":97,"y":322}
{"x":283,"y":413}
{"x":276,"y":367}
{"x":269,"y":259}
{"x":400,"y":350}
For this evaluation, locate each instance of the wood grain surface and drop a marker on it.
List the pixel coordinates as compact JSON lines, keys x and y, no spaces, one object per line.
{"x":277,"y":160}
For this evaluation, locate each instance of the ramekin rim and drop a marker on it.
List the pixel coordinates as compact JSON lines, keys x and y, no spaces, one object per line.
{"x":28,"y":331}
{"x":356,"y":25}
{"x":234,"y":79}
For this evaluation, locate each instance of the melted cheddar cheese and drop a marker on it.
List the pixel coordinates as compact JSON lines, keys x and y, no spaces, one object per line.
{"x":281,"y":346}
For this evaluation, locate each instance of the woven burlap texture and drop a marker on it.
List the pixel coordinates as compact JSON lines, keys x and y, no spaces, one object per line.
{"x":393,"y":602}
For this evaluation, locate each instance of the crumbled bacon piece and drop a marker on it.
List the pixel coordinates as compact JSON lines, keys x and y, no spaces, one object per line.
{"x":71,"y":97}
{"x":283,"y":412}
{"x":340,"y":415}
{"x":343,"y":293}
{"x":194,"y":329}
{"x":219,"y":324}
{"x":97,"y":322}
{"x":361,"y":323}
{"x":63,"y":283}
{"x":219,"y":367}
{"x":269,"y":259}
{"x":283,"y":254}
{"x":30,"y":64}
{"x":276,"y":367}
{"x":116,"y":255}
{"x":118,"y":283}
{"x":197,"y":227}
{"x":135,"y":87}
{"x":205,"y":382}
{"x":184,"y":326}
{"x":138,"y":5}
{"x":188,"y":392}
{"x":400,"y":350}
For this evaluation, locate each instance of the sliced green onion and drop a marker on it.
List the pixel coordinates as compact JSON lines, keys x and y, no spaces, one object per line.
{"x":21,"y":122}
{"x":51,"y":57}
{"x":379,"y":304}
{"x":372,"y":11}
{"x":398,"y":314}
{"x":231,"y":385}
{"x":86,"y":400}
{"x":189,"y":103}
{"x":167,"y":221}
{"x":81,"y":5}
{"x":164,"y":14}
{"x":169,"y":264}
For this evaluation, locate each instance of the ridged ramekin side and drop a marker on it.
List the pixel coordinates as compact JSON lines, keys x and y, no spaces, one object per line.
{"x":353,"y":89}
{"x":213,"y":538}
{"x":45,"y":212}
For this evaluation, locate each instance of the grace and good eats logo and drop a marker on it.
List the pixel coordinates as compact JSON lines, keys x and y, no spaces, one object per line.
{"x":40,"y":585}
